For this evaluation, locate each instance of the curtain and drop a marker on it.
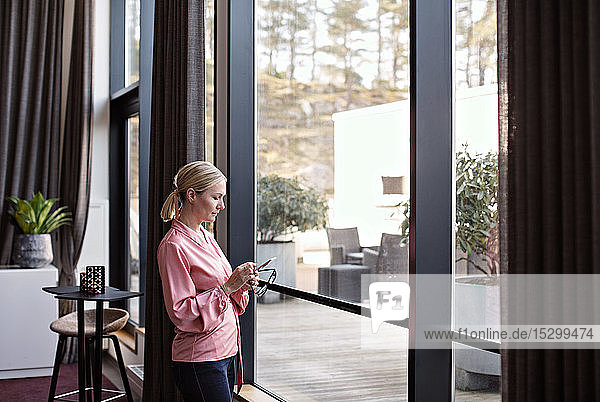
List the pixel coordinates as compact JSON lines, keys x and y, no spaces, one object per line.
{"x":30,"y":84}
{"x":549,"y":70}
{"x":177,"y":137}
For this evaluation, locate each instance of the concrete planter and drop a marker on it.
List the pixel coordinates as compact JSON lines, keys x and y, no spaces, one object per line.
{"x":477,"y":303}
{"x":32,"y":250}
{"x":285,"y":264}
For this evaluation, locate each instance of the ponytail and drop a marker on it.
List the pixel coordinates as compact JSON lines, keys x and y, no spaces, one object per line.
{"x":170,"y":207}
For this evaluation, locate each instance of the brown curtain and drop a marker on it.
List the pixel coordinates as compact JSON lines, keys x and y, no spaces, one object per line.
{"x":177,"y":137}
{"x":549,"y":70}
{"x":30,"y":84}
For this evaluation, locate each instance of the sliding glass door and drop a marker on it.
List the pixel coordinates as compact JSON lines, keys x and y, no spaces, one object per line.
{"x":333,"y":167}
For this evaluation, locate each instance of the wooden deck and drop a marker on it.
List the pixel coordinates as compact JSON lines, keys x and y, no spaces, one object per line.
{"x":308,"y":352}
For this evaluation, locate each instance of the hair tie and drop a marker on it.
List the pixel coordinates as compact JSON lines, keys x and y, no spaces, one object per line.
{"x":175,"y":192}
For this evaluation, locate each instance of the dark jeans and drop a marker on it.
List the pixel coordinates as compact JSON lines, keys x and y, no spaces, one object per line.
{"x":206,"y":381}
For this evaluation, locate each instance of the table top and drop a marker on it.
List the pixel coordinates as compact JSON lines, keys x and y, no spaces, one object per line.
{"x":73,"y":293}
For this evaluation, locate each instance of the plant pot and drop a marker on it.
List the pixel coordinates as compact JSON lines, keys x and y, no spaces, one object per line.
{"x":32,"y":250}
{"x":477,"y":304}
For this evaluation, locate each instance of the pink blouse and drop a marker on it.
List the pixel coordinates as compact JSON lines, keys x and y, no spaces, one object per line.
{"x":192,"y":267}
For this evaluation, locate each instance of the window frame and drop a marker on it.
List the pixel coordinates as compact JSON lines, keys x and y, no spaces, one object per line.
{"x":124,"y":103}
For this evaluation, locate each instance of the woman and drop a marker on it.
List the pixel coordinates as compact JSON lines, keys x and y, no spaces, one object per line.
{"x":202,"y":295}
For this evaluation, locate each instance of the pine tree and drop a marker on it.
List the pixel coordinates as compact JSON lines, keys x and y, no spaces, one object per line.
{"x":343,"y":22}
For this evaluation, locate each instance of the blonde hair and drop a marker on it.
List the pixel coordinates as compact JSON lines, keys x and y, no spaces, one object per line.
{"x":197,"y":175}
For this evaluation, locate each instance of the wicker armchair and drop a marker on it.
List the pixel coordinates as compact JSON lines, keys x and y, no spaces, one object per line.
{"x":391,"y":257}
{"x":344,"y":246}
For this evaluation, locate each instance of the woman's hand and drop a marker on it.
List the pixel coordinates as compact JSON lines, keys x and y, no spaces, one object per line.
{"x":243,"y":277}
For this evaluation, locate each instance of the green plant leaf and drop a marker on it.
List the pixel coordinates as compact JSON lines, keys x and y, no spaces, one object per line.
{"x":45,"y":210}
{"x":33,"y":217}
{"x":51,"y":222}
{"x":37,"y":203}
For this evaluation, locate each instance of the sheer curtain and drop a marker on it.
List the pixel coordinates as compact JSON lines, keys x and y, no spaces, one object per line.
{"x":549,"y":70}
{"x":177,"y":137}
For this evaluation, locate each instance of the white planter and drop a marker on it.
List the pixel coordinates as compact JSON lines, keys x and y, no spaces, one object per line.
{"x":285,"y":263}
{"x":477,"y":304}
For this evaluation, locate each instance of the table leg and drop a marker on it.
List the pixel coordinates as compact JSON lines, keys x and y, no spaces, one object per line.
{"x":81,"y":350}
{"x":97,"y":372}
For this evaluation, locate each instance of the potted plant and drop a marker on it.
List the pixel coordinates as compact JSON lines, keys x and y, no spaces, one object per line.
{"x":477,"y":297}
{"x":477,"y":209}
{"x":476,"y":212}
{"x":33,"y":248}
{"x":285,"y":206}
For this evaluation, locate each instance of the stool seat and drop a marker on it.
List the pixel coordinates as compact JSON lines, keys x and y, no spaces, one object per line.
{"x":113,"y":320}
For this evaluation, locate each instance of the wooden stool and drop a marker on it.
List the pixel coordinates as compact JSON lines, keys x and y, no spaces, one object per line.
{"x":114,"y":319}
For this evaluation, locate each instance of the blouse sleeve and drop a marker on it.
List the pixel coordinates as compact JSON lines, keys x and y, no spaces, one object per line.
{"x":184,"y":305}
{"x":240,"y":301}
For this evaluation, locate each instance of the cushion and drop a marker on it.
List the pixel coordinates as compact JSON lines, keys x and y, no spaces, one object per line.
{"x":113,"y":320}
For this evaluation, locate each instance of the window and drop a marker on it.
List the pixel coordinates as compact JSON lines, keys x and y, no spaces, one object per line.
{"x":333,"y":134}
{"x":133,"y":184}
{"x":132,"y":41}
{"x":209,"y":82}
{"x":309,"y":85}
{"x":476,"y":266}
{"x":129,"y":146}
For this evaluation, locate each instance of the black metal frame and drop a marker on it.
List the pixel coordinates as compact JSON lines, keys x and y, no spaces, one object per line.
{"x":432,"y":190}
{"x":241,"y":168}
{"x":124,"y":103}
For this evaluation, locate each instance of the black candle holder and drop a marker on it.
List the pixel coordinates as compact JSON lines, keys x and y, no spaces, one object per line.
{"x":93,"y":280}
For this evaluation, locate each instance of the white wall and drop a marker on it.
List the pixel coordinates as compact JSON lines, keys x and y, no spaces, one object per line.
{"x":369,"y":143}
{"x":375,"y":141}
{"x":101,"y":78}
{"x":95,"y":244}
{"x":476,"y":118}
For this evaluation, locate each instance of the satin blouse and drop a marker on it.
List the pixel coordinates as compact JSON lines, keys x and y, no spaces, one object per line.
{"x":192,"y":266}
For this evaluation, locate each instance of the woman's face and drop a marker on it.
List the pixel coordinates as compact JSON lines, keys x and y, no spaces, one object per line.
{"x":206,"y":205}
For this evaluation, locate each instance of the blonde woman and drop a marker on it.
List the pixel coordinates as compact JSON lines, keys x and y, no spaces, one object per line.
{"x":203,"y":296}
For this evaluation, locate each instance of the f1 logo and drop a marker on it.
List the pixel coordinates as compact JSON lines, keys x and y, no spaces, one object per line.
{"x":389,"y":301}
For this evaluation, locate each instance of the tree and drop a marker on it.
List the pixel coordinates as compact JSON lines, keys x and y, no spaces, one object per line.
{"x":476,"y":37}
{"x":343,"y":22}
{"x":295,"y":17}
{"x":399,"y":16}
{"x":272,"y":25}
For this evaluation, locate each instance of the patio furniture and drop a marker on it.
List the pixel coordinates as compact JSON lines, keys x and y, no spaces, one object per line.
{"x":344,"y":246}
{"x":342,"y":281}
{"x":390,"y":258}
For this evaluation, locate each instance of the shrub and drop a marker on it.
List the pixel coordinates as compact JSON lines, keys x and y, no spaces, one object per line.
{"x":285,"y":206}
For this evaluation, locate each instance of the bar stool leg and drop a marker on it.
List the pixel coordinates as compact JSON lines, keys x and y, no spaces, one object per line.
{"x":88,"y":367}
{"x":115,"y":341}
{"x":60,"y":351}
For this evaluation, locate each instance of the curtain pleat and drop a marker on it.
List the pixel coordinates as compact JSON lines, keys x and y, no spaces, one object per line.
{"x":549,"y":160}
{"x":30,"y":84}
{"x":177,"y":137}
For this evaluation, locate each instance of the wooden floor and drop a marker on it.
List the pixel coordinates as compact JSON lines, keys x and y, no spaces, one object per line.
{"x":308,"y":352}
